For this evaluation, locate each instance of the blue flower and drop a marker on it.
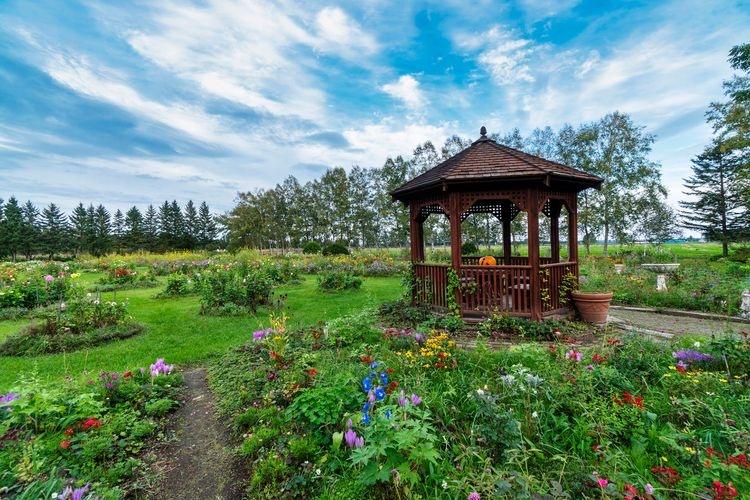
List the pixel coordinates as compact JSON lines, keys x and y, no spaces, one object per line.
{"x":366,"y":407}
{"x":379,"y":393}
{"x":384,"y":378}
{"x":366,"y":418}
{"x":366,"y":384}
{"x":387,"y":413}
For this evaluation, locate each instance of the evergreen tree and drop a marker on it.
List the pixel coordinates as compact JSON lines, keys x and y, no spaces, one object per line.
{"x":207,"y":230}
{"x":151,"y":228}
{"x":118,"y":228}
{"x":30,"y":233}
{"x":54,"y":233}
{"x":191,"y":229}
{"x":82,"y":227}
{"x":717,"y":212}
{"x":12,"y":228}
{"x":133,"y":238}
{"x":102,"y":227}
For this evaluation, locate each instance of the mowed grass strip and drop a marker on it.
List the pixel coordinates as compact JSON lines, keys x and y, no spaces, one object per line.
{"x":176,"y":332}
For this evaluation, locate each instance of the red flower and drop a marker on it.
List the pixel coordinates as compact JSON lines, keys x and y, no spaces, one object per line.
{"x":312,"y":372}
{"x":366,"y":359}
{"x":128,"y":374}
{"x":394,"y":384}
{"x":389,"y":370}
{"x":388,"y":391}
{"x":721,"y":491}
{"x":598,"y":359}
{"x":630,"y":489}
{"x":69,"y":431}
{"x":65,"y":444}
{"x":92,"y":423}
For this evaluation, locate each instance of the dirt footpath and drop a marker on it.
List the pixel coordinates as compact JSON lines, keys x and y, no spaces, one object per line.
{"x":199,"y":462}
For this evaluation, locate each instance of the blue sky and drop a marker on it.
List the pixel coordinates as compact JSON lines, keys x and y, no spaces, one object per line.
{"x":129,"y":103}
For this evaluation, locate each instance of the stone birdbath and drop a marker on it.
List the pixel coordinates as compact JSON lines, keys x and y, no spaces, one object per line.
{"x":661,"y":270}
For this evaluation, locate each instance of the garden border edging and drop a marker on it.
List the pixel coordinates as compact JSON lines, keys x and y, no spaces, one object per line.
{"x":680,"y":312}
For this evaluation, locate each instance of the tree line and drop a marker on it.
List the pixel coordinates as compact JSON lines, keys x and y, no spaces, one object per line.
{"x":720,"y":184}
{"x":355,"y":207}
{"x":26,"y":231}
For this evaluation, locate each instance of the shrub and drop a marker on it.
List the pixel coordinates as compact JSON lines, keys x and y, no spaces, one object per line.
{"x":469,"y":248}
{"x":536,"y":330}
{"x":335,"y":249}
{"x":338,"y":280}
{"x":311,"y":247}
{"x":402,"y":313}
{"x":230,"y":291}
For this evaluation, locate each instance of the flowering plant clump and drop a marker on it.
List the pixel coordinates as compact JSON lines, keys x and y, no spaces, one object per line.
{"x":160,"y":368}
{"x":437,"y":352}
{"x":628,"y":399}
{"x":691,"y":356}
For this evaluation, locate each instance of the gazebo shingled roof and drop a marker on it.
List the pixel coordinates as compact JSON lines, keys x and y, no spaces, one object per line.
{"x":488,"y":177}
{"x":486,"y":160}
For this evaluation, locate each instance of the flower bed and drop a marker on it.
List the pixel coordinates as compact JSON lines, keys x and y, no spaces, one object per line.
{"x":82,"y":322}
{"x":81,"y":439}
{"x":406,"y":414}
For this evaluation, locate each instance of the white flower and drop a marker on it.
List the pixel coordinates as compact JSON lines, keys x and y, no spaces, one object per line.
{"x":480,"y":392}
{"x":697,"y":345}
{"x":444,"y":485}
{"x":317,"y":472}
{"x":535,"y":415}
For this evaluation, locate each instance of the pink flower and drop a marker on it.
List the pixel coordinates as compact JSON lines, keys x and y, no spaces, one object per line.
{"x":474,"y":496}
{"x":649,"y":489}
{"x":602,"y":482}
{"x":574,"y":355}
{"x":49,"y":278}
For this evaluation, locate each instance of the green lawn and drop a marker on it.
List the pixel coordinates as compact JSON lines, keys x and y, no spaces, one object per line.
{"x":177,"y":332}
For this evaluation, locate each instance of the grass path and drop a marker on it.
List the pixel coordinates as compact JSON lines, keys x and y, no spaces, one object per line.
{"x":176,"y":332}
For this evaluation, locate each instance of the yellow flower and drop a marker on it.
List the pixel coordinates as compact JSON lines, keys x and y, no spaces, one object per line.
{"x":427,"y":365}
{"x":672,"y":367}
{"x":664,"y":459}
{"x":689,"y":449}
{"x":723,"y":380}
{"x":75,"y":275}
{"x":667,"y":374}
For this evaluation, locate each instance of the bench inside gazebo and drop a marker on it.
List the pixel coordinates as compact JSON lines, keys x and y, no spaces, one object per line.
{"x":488,"y":177}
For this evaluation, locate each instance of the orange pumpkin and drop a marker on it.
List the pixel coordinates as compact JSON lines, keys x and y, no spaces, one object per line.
{"x":488,"y":260}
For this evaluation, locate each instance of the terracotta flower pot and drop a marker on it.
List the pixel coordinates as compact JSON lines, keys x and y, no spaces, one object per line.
{"x":592,"y":307}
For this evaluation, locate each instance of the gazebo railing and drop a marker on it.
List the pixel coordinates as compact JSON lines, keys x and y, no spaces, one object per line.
{"x":431,"y":284}
{"x":504,"y":289}
{"x":551,"y":277}
{"x":472,"y":260}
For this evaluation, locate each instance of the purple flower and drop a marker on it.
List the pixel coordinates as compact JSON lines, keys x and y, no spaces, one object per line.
{"x":350,"y":437}
{"x":371,"y":397}
{"x":160,"y":368}
{"x":349,"y":424}
{"x":419,"y":338}
{"x":416,"y":400}
{"x":73,"y":494}
{"x":108,"y":385}
{"x":589,"y":367}
{"x":691,"y":355}
{"x":649,"y":489}
{"x":8,"y":397}
{"x":379,"y":393}
{"x":359,"y":442}
{"x":260,"y":334}
{"x":402,"y":401}
{"x":474,"y":496}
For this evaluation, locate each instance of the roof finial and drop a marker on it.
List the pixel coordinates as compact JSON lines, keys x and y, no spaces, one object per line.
{"x":483,"y":131}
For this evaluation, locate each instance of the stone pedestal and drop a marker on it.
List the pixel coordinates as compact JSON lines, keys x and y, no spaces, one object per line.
{"x":745,"y":303}
{"x":661,"y":282}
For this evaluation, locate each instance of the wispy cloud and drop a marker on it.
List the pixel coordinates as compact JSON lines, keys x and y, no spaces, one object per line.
{"x":503,"y":53}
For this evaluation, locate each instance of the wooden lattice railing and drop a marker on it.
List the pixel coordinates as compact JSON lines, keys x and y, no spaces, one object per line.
{"x":551,"y":277}
{"x":431,"y":284}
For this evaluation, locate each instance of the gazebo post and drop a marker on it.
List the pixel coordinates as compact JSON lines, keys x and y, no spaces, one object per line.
{"x":454,"y":203}
{"x":554,"y":229}
{"x":573,"y":231}
{"x":533,"y":241}
{"x":506,"y":214}
{"x":416,"y":233}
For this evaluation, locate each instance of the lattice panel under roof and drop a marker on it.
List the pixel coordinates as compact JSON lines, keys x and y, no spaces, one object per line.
{"x":490,"y":207}
{"x":432,"y":209}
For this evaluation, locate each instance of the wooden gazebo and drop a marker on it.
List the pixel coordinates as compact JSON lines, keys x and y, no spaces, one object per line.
{"x":488,"y":177}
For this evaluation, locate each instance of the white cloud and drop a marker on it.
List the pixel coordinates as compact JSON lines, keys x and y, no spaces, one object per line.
{"x":407,"y":90}
{"x":339,"y":33}
{"x":504,"y":55}
{"x":542,"y":9}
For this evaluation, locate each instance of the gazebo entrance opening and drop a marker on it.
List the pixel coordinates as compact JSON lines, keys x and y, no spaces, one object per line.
{"x":488,"y":178}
